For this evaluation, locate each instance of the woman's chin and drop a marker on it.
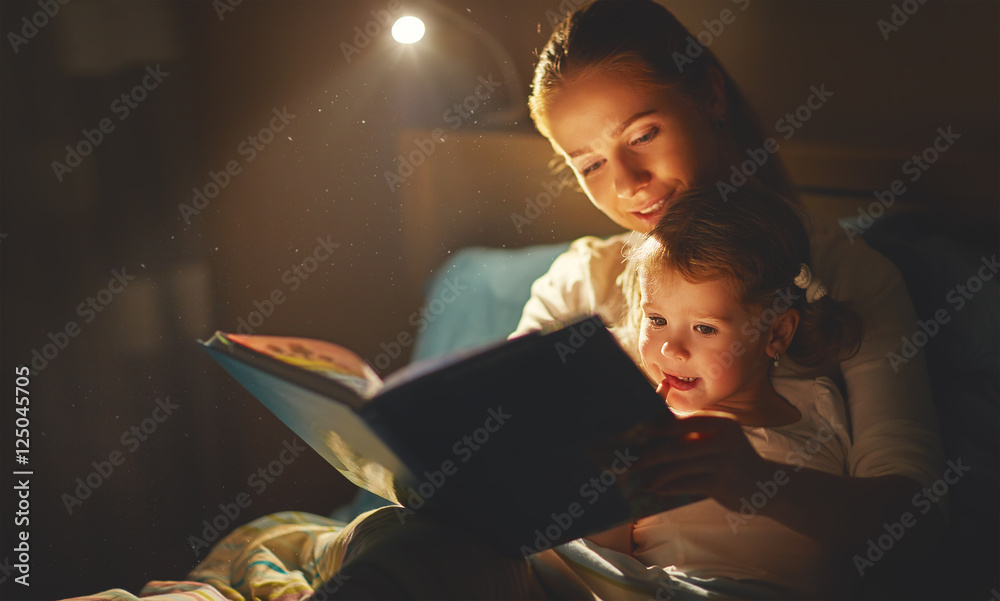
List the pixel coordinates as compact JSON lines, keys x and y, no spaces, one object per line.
{"x":632,"y":223}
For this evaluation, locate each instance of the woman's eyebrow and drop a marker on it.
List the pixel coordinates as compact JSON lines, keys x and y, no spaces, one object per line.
{"x":617,"y":131}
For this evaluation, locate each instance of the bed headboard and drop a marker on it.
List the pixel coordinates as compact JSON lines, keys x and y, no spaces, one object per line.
{"x":483,"y":188}
{"x":474,"y":190}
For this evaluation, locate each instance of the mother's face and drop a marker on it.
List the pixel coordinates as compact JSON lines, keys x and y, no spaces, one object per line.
{"x":634,"y":149}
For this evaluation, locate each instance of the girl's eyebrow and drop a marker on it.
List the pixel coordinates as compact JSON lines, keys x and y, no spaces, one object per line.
{"x":723,"y":319}
{"x":718,"y":318}
{"x":617,"y":131}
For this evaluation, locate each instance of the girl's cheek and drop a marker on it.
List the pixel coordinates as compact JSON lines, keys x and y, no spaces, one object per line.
{"x":647,"y":349}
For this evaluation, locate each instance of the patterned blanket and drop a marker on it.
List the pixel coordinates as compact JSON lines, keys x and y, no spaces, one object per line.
{"x":280,"y":557}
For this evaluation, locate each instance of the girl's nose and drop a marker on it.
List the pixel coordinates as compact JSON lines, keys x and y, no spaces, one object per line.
{"x":630,"y":176}
{"x":674,"y":350}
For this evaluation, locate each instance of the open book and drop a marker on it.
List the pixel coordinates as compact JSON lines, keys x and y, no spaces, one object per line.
{"x":528,"y":441}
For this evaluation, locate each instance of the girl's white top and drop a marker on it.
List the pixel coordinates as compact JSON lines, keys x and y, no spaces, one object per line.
{"x":705,"y":540}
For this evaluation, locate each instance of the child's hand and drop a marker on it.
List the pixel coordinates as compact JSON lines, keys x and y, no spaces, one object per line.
{"x":702,"y":455}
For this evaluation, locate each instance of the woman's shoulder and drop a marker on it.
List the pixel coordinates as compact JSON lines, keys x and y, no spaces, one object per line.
{"x":596,"y":261}
{"x":590,"y":248}
{"x":582,"y":280}
{"x":845,"y":261}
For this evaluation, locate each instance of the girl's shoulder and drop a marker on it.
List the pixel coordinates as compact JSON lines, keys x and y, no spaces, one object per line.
{"x":821,"y":439}
{"x":816,"y":398}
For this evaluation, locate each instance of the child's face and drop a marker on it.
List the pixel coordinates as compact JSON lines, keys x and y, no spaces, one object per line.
{"x":702,"y":345}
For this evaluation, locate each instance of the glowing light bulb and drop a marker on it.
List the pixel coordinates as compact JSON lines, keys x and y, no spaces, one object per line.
{"x":408,"y":30}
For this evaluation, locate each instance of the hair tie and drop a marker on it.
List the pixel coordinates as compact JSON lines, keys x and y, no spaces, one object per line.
{"x":812,"y":285}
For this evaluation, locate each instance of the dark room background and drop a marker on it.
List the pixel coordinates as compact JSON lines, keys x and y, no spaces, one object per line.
{"x":165,"y":167}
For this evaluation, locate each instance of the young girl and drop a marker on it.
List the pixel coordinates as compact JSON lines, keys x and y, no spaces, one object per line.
{"x":719,"y":294}
{"x":725,"y":293}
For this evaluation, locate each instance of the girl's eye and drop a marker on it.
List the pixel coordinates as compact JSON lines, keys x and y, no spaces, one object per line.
{"x":646,"y":137}
{"x":657,"y":321}
{"x":706,"y":330}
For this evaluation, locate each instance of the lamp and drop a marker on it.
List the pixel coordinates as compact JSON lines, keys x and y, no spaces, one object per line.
{"x":410,"y":29}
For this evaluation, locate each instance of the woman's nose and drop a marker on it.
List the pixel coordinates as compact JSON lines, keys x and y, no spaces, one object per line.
{"x":630,"y":176}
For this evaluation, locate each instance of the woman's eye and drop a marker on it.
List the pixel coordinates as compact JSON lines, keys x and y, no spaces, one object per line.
{"x":706,"y":330}
{"x":649,"y":135}
{"x":592,"y":167}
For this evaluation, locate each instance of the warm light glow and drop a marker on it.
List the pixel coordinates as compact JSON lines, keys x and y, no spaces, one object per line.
{"x":408,"y":30}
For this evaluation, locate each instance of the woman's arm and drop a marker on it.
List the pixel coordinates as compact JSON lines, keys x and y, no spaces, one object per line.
{"x":893,"y":421}
{"x":711,"y":456}
{"x":581,"y":280}
{"x":847,"y":512}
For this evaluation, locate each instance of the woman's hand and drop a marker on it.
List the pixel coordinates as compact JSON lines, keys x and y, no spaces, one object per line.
{"x":703,"y":455}
{"x":709,"y":455}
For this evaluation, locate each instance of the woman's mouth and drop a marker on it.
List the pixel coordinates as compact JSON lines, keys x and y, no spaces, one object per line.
{"x":651,"y":214}
{"x":656,"y":207}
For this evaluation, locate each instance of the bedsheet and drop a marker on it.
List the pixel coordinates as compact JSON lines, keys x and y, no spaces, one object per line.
{"x":280,"y":557}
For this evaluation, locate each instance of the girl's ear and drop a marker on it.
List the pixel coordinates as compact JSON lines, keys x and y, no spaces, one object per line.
{"x":782,"y":331}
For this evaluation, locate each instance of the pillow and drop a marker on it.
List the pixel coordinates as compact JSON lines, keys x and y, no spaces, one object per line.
{"x":477,"y":297}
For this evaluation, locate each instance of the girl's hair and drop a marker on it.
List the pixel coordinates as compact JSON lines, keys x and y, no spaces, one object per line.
{"x":755,"y":246}
{"x":643,"y":42}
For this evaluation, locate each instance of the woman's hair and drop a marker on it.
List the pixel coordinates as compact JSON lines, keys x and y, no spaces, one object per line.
{"x":644,"y":43}
{"x":755,"y":246}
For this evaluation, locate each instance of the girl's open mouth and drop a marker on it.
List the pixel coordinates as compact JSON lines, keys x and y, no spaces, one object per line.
{"x":681,"y":383}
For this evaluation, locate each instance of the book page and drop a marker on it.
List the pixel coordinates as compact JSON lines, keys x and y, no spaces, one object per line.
{"x":331,"y":360}
{"x":334,"y":429}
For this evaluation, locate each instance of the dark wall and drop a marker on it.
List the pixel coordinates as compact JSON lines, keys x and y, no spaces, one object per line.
{"x":130,"y":361}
